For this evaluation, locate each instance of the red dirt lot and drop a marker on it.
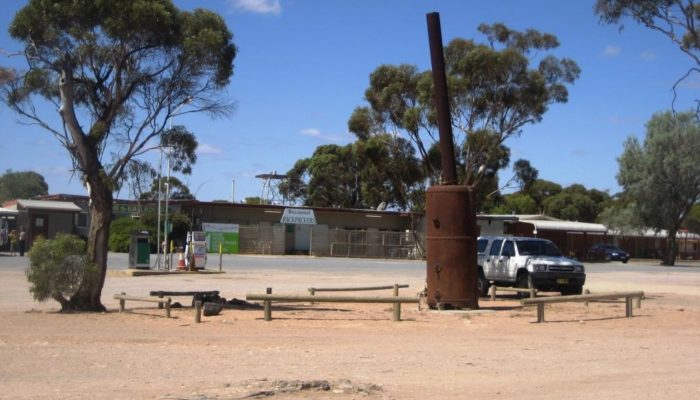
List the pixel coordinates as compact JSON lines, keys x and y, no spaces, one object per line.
{"x":351,"y":351}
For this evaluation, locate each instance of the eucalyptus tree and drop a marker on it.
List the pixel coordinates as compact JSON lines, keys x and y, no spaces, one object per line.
{"x":662,"y":175}
{"x":363,"y":174}
{"x":495,"y":88}
{"x":21,"y":185}
{"x":175,"y":188}
{"x":115,"y":72}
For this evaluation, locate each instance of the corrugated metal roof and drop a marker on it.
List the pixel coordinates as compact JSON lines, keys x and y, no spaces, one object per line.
{"x":656,"y":234}
{"x":48,"y":205}
{"x":568,"y":226}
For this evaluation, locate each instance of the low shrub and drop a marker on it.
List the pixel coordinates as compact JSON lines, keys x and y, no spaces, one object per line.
{"x":58,"y":268}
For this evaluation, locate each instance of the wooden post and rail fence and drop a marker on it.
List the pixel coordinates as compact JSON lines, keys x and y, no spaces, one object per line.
{"x":396,"y":300}
{"x":123,"y":297}
{"x":585,"y":298}
{"x":162,"y":302}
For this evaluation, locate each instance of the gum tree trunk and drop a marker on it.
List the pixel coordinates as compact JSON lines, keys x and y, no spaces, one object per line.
{"x":89,"y":296}
{"x":671,"y":250}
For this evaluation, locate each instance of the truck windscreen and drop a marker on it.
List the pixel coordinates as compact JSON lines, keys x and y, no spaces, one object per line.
{"x":537,"y":248}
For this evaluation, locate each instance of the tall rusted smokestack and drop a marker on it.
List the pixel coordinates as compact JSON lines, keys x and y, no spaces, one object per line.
{"x":451,"y":216}
{"x":442,"y":101}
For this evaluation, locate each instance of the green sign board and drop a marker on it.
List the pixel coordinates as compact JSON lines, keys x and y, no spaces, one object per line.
{"x":221,"y":235}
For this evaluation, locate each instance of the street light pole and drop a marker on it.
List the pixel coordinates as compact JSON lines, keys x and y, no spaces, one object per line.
{"x":233,"y":191}
{"x":167,"y":190}
{"x":160,"y":174}
{"x":167,"y":198}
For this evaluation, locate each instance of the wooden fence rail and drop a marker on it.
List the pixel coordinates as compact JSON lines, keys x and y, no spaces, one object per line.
{"x":123,"y":297}
{"x":584,"y":298}
{"x":269,"y":298}
{"x":531,"y":291}
{"x":313,"y":290}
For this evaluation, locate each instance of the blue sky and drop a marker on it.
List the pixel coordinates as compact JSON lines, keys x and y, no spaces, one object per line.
{"x":303,"y":66}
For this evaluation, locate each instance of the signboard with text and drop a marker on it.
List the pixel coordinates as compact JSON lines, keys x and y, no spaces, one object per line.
{"x":301,"y":216}
{"x":226,"y":235}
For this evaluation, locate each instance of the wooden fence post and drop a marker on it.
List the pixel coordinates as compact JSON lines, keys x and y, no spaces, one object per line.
{"x":628,"y":307}
{"x":167,"y":308}
{"x":540,"y":312}
{"x":268,"y":306}
{"x":122,"y":303}
{"x":493,"y":293}
{"x":198,"y":311}
{"x":397,"y":306}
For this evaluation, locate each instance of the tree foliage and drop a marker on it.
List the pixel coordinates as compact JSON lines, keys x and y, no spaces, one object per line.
{"x":116,"y":72}
{"x":122,"y":228}
{"x":541,"y":190}
{"x":662,"y":175}
{"x":571,"y":206}
{"x":496,"y":88}
{"x":525,"y":174}
{"x":120,"y":233}
{"x":364,"y":174}
{"x":138,"y":178}
{"x":517,"y":203}
{"x":676,"y":19}
{"x":174,"y":188}
{"x":693,"y":220}
{"x":58,"y":268}
{"x":253,"y":200}
{"x":21,"y":185}
{"x":621,"y":218}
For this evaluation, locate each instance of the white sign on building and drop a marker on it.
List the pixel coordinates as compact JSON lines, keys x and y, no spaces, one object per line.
{"x":302,"y":216}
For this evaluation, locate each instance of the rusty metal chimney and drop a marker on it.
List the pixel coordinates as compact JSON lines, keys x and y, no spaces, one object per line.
{"x":450,"y":208}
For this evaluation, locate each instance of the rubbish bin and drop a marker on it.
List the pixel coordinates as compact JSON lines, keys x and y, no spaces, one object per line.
{"x":139,"y":251}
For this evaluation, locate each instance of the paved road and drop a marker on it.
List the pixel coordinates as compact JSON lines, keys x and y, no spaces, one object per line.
{"x":294,"y":274}
{"x":120,"y":261}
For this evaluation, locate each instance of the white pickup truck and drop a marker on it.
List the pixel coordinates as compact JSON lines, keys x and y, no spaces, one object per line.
{"x":526,"y":262}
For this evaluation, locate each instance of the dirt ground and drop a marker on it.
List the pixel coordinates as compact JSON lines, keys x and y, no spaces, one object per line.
{"x":350,"y":351}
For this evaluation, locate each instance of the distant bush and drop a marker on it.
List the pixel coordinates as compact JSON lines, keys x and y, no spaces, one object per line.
{"x":57,"y":268}
{"x":120,"y":233}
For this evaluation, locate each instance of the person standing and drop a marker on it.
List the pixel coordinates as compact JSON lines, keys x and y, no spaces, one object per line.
{"x":22,"y":237}
{"x":13,"y":241}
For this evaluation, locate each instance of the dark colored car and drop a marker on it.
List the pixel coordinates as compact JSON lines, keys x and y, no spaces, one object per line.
{"x":607,"y":252}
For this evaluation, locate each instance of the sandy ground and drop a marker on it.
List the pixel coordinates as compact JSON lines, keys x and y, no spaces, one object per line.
{"x":499,"y":352}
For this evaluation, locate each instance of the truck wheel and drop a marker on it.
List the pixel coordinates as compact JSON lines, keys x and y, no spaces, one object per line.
{"x":523,"y":282}
{"x":482,"y":285}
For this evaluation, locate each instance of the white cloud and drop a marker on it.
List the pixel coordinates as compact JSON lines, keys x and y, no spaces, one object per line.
{"x":208,"y":149}
{"x":257,"y":6}
{"x":611,"y":51}
{"x":315,"y":133}
{"x":648,"y":55}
